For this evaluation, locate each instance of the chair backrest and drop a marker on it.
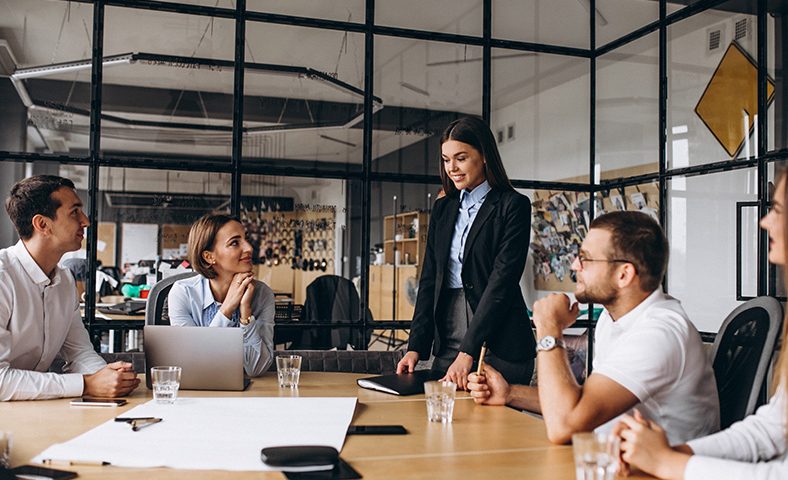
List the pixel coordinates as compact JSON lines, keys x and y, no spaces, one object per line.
{"x":348,"y":361}
{"x":742,"y":352}
{"x":157,"y":299}
{"x":331,"y":299}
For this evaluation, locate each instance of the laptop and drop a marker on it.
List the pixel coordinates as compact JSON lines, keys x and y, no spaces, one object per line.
{"x":210,"y":358}
{"x":129,"y":307}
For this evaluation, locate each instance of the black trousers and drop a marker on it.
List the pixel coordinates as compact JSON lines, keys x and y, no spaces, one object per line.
{"x":454,"y":315}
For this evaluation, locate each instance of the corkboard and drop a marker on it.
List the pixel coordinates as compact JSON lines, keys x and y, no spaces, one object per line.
{"x":560,"y":223}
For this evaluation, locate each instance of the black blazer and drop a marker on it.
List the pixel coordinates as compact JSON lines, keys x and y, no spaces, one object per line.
{"x":493,"y":263}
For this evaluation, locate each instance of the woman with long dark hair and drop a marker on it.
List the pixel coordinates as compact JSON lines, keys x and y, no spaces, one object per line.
{"x":754,"y":448}
{"x":469,"y":290}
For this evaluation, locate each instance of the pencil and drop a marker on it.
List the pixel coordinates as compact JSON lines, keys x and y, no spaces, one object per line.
{"x":74,"y":463}
{"x":480,"y":368}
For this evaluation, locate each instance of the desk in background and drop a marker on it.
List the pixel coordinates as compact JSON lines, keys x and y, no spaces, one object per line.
{"x":287,"y":314}
{"x":483,"y":442}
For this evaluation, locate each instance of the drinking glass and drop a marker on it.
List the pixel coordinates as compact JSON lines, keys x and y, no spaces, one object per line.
{"x":596,"y":456}
{"x":288,"y":370}
{"x":166,"y":381}
{"x":440,"y":400}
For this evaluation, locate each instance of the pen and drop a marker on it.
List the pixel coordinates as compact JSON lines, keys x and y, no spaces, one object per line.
{"x":480,"y":368}
{"x":137,"y":425}
{"x":74,"y":463}
{"x":131,"y":419}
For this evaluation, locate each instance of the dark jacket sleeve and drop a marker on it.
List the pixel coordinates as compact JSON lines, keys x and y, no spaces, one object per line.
{"x":504,"y":282}
{"x":422,"y":328}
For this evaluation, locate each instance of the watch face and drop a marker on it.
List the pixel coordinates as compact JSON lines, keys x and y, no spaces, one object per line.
{"x":547,"y":343}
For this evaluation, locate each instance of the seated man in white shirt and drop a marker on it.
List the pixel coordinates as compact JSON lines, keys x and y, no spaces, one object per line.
{"x":649,"y":356}
{"x":39,"y":311}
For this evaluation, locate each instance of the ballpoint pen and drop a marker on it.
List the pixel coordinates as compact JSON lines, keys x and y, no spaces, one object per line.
{"x":74,"y":463}
{"x":137,"y":425}
{"x":130,"y":419}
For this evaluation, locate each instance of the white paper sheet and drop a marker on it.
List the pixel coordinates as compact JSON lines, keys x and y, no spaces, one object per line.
{"x":211,"y":433}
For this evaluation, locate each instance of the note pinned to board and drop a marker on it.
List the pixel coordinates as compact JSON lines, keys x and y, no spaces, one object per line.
{"x":238,"y":428}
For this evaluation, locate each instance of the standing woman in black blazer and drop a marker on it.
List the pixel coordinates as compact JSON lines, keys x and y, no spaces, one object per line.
{"x":469,"y":291}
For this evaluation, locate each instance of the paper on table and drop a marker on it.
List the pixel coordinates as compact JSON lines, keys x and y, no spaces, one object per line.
{"x":212,"y":433}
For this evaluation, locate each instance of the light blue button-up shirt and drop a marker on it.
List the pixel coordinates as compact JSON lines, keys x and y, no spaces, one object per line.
{"x":470,"y":203}
{"x":191,"y":304}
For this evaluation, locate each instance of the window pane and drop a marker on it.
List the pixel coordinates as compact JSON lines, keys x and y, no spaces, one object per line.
{"x":424,"y":86}
{"x":44,"y":110}
{"x":554,"y":22}
{"x":540,"y":115}
{"x":342,"y":10}
{"x":703,"y":238}
{"x":447,"y":16}
{"x":163,"y":106}
{"x":398,"y":245}
{"x":712,"y":86}
{"x":616,"y":18}
{"x":627,"y":110}
{"x":304,"y":105}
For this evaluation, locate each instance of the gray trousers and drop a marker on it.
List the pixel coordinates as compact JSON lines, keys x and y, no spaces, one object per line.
{"x":454,"y":315}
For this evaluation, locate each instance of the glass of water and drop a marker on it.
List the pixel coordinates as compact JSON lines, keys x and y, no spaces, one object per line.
{"x":166,"y":381}
{"x":440,"y":400}
{"x":596,"y":456}
{"x":288,"y":370}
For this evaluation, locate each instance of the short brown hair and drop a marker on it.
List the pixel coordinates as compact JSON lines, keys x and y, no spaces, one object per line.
{"x":33,"y":196}
{"x":202,"y":237}
{"x":637,"y":238}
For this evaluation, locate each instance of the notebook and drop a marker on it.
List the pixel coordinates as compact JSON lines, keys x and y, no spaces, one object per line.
{"x":210,"y":358}
{"x":400,"y":384}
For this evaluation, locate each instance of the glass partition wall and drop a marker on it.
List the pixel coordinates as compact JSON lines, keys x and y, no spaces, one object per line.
{"x":319,"y":125}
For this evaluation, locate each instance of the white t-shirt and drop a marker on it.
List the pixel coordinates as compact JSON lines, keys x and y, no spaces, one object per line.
{"x":657,"y":354}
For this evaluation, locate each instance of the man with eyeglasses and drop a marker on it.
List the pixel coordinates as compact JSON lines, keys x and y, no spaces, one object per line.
{"x":649,"y":356}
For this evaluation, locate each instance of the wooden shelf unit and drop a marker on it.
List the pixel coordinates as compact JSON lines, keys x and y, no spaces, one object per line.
{"x":413,"y":241}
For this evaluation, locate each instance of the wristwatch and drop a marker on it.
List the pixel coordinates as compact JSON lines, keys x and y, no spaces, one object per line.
{"x":247,"y":320}
{"x":548,"y":342}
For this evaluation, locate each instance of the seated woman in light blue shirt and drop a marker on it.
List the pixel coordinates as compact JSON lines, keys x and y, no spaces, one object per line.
{"x":225,"y":294}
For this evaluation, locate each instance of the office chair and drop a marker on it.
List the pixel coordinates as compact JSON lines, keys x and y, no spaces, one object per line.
{"x":742,"y":353}
{"x":332,"y":299}
{"x":347,"y":361}
{"x":156,"y":308}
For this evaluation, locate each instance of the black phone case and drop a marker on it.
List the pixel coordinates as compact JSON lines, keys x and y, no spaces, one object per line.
{"x":44,"y":472}
{"x":343,"y":471}
{"x":299,"y":456}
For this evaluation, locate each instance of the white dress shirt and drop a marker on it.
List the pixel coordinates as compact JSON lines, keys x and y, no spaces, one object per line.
{"x":39,"y":317}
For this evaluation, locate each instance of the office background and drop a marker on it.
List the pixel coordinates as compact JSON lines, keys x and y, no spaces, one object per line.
{"x":310,"y":111}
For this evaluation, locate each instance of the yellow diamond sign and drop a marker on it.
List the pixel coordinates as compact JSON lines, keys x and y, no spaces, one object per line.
{"x":731,"y":99}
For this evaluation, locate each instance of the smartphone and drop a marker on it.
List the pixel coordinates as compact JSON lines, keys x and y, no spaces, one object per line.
{"x":98,"y":402}
{"x":376,"y":430}
{"x":36,"y":472}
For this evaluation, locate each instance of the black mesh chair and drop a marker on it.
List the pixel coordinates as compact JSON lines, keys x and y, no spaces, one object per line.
{"x":742,"y":353}
{"x":156,"y":309}
{"x":347,"y":361}
{"x":332,"y":299}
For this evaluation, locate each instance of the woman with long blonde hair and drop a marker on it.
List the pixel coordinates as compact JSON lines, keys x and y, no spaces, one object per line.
{"x":754,"y":448}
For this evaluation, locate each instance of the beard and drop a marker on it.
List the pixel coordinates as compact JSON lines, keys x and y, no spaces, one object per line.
{"x":604,"y":294}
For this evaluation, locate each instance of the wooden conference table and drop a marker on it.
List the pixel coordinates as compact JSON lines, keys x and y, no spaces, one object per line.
{"x":482,"y":442}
